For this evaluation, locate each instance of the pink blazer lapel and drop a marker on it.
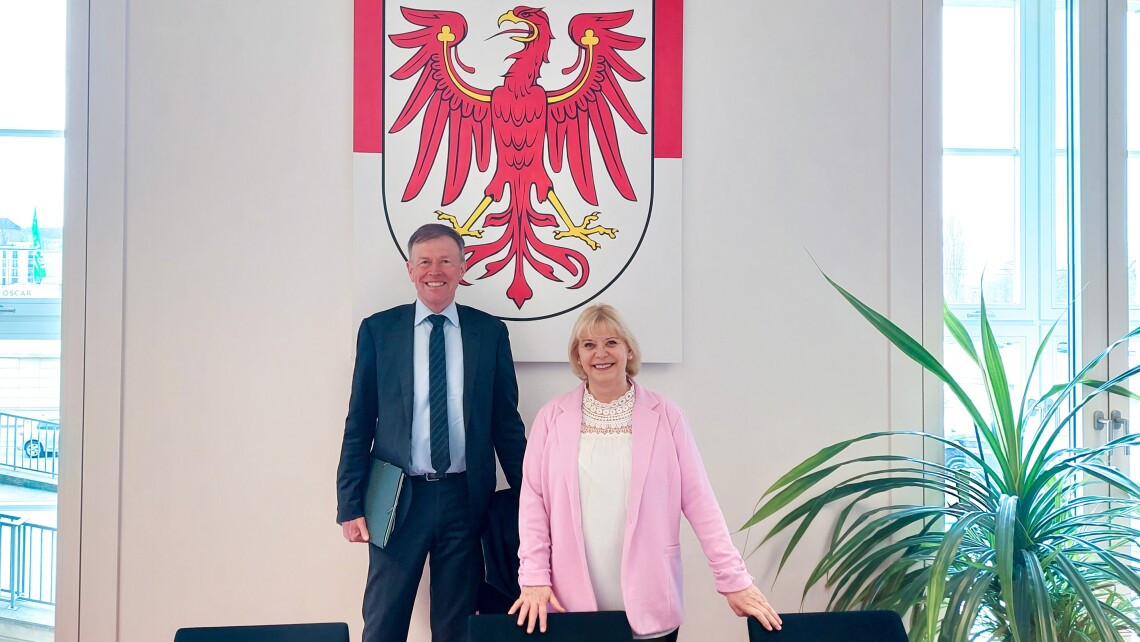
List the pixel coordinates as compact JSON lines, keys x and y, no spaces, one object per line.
{"x":646,"y":422}
{"x":568,"y":428}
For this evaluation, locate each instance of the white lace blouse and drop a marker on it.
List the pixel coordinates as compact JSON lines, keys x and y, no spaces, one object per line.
{"x":605,"y":455}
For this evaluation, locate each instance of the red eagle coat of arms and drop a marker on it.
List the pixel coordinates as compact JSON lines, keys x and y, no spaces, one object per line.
{"x":532,"y":131}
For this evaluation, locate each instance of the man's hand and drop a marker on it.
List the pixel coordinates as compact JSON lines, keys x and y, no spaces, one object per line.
{"x":532,"y":603}
{"x":752,"y":602}
{"x":355,"y":530}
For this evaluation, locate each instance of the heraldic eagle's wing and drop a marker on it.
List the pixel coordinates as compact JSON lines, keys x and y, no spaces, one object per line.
{"x":450,"y":106}
{"x":589,"y":102}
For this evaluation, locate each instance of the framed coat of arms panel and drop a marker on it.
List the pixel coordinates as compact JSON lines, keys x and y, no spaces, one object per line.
{"x":548,"y":137}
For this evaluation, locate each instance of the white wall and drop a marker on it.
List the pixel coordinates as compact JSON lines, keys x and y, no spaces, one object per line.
{"x":211,"y":437}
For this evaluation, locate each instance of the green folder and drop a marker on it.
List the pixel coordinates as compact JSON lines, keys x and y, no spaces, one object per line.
{"x":384,"y":485}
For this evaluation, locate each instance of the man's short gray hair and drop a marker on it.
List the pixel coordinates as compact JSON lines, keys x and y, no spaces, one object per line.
{"x":431,"y":231}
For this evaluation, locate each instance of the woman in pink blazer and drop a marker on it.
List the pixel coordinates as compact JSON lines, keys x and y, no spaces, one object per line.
{"x":608,"y":471}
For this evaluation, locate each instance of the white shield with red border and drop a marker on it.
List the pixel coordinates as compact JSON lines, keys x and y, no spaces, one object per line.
{"x":549,"y":137}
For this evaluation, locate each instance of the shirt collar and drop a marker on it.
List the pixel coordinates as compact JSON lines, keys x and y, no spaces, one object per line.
{"x":422,"y":313}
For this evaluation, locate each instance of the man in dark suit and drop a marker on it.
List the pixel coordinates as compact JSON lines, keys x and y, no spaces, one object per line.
{"x":433,"y":392}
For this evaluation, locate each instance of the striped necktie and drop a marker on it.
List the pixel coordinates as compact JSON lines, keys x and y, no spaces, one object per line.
{"x":437,"y":395}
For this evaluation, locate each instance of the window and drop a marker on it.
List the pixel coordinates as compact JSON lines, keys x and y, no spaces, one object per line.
{"x":33,"y":52}
{"x":1005,"y":222}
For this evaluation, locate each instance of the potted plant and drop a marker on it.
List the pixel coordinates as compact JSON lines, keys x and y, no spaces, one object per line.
{"x":1030,"y":548}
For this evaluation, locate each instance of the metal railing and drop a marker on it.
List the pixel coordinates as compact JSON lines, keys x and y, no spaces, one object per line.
{"x":27,"y":551}
{"x":27,"y":443}
{"x":27,"y":561}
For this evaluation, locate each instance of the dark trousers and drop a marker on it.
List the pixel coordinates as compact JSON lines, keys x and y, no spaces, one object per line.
{"x":668,"y":637}
{"x":437,"y":527}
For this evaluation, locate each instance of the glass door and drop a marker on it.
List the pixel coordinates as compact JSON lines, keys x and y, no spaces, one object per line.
{"x":1041,"y":204}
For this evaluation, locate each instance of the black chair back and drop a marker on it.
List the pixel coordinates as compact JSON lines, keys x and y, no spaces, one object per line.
{"x":850,"y":626}
{"x":329,"y":632}
{"x":603,"y":626}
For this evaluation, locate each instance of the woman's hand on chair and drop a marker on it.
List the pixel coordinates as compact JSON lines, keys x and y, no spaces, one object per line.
{"x":752,"y":602}
{"x":532,"y":604}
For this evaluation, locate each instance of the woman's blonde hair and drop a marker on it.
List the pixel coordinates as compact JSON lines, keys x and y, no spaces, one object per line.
{"x":593,"y":319}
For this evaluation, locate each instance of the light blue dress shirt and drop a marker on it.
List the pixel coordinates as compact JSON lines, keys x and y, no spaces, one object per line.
{"x":421,"y":406}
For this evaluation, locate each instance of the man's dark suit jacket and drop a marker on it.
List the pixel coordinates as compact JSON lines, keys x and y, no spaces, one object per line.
{"x":379,"y":422}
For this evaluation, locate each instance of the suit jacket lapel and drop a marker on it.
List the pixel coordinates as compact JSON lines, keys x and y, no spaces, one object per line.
{"x":405,"y":361}
{"x":470,"y":332}
{"x":568,"y":428}
{"x":646,"y":421}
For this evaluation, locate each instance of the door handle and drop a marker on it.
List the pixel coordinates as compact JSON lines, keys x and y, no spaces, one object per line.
{"x":1116,"y":422}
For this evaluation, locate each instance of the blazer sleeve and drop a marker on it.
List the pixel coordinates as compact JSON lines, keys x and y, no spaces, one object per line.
{"x":507,"y":429}
{"x":359,"y":430}
{"x":534,"y":516}
{"x":701,"y":509}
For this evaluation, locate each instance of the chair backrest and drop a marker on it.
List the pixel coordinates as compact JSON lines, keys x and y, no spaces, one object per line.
{"x":329,"y":632}
{"x":850,"y":626}
{"x":603,"y":626}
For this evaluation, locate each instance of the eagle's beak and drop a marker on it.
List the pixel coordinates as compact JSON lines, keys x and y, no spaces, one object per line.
{"x":510,"y":16}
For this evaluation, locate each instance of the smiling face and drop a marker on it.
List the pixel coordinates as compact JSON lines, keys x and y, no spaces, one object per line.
{"x":436,"y":267}
{"x":603,"y":356}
